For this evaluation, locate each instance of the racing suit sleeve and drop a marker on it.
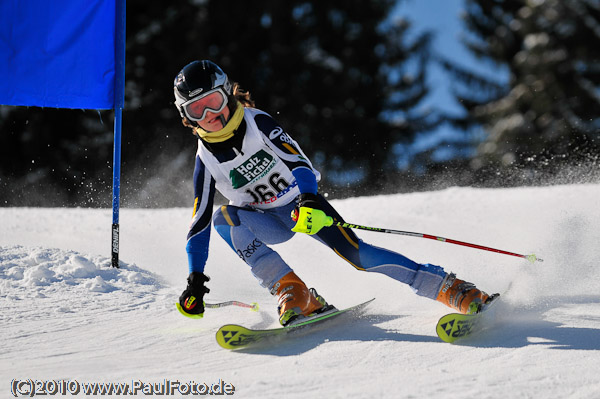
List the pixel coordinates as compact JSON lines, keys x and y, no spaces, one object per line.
{"x":199,"y":234}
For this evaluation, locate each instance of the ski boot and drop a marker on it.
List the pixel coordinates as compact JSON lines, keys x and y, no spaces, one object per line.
{"x":295,"y":300}
{"x":461,"y":295}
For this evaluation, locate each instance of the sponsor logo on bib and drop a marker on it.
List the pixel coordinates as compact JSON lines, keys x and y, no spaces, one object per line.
{"x":255,"y":167}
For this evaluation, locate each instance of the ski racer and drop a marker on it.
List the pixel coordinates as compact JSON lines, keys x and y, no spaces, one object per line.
{"x":273,"y":194}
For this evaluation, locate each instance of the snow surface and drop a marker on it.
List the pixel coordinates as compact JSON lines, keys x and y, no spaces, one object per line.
{"x":66,"y":315}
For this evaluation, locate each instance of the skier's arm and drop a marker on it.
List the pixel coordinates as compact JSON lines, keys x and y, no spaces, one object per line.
{"x":307,"y":181}
{"x":199,"y":234}
{"x":191,"y":302}
{"x":308,"y":214}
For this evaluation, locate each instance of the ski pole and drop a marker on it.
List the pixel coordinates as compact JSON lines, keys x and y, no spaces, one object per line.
{"x":532,"y":258}
{"x":253,"y":306}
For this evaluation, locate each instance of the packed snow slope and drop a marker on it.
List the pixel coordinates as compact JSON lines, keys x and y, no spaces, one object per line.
{"x":66,"y":315}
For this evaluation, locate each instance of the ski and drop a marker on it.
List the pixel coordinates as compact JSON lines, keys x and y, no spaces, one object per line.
{"x":456,"y":326}
{"x":233,"y":336}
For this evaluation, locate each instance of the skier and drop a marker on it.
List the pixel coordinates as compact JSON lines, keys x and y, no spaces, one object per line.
{"x":245,"y":154}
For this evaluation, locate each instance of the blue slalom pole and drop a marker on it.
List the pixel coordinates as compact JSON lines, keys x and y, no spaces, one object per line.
{"x":116,"y":187}
{"x":119,"y":102}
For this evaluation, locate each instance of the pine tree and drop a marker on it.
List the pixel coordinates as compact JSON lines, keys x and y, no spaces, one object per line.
{"x":548,"y":110}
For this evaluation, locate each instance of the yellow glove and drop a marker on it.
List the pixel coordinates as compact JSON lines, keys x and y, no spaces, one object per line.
{"x":308,"y":218}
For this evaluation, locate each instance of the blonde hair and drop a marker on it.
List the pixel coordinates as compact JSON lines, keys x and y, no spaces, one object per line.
{"x":242,"y":96}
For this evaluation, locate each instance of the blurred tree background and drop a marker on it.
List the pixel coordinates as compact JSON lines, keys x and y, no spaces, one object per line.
{"x":346,"y":81}
{"x":545,"y":120}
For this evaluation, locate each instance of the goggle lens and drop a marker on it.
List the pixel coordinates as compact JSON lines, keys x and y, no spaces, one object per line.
{"x":213,"y":101}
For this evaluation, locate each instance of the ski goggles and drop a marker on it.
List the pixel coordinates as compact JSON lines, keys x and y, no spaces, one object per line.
{"x":214,"y":101}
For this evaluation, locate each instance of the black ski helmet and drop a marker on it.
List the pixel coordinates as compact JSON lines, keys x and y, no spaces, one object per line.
{"x":197,"y":78}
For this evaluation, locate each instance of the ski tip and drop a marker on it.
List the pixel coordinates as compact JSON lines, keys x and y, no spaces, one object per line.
{"x":255,"y":306}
